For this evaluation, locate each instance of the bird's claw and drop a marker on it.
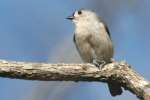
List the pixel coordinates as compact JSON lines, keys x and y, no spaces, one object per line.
{"x":99,"y":63}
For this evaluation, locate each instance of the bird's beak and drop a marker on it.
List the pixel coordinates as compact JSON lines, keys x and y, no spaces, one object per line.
{"x":70,"y":18}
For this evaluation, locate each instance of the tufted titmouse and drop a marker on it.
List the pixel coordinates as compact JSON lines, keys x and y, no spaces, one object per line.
{"x":93,"y":41}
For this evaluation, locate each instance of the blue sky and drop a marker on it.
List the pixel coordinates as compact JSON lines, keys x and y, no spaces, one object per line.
{"x":34,"y":30}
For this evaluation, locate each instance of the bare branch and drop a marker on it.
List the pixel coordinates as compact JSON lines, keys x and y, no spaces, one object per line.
{"x":119,"y":72}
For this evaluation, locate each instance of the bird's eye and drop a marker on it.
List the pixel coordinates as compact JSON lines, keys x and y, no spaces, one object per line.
{"x":79,"y":12}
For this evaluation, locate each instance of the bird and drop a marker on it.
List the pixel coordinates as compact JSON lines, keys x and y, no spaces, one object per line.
{"x":93,"y":42}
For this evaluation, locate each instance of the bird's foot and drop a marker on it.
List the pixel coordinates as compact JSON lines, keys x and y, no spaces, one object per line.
{"x":99,"y":63}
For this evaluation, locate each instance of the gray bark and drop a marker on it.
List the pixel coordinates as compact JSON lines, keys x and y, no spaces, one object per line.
{"x":120,"y":72}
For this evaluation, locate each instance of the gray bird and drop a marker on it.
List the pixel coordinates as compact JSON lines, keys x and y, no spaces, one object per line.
{"x":93,"y":42}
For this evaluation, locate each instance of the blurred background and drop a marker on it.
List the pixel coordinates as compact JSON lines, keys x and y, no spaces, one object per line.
{"x":37,"y":31}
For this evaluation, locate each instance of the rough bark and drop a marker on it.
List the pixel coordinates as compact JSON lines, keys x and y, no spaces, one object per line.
{"x":120,"y":72}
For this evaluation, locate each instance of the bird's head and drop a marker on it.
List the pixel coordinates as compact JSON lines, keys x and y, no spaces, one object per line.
{"x":83,"y":16}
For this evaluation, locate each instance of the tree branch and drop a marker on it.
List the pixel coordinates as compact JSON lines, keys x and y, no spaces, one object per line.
{"x":119,"y":72}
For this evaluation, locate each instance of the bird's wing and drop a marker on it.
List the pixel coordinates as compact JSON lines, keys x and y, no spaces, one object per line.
{"x":74,"y":40}
{"x":107,"y":30}
{"x":105,"y":25}
{"x":101,"y":44}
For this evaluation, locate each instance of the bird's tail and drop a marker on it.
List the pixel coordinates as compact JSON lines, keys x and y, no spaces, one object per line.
{"x":114,"y":88}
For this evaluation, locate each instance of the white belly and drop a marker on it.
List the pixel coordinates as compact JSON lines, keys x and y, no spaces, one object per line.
{"x":96,"y":49}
